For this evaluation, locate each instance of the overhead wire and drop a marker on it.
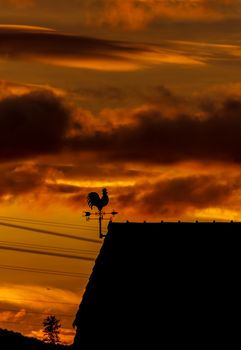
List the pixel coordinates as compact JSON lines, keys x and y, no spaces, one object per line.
{"x":53,"y":248}
{"x":64,"y":235}
{"x":34,"y":251}
{"x":49,"y":223}
{"x":43,"y":271}
{"x":60,"y":255}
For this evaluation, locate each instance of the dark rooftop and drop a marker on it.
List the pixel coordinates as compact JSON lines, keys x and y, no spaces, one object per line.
{"x":161,"y":283}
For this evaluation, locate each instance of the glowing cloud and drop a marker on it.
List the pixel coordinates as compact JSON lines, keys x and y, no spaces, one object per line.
{"x":23,"y":28}
{"x":136,"y":14}
{"x":8,"y":89}
{"x":12,"y":316}
{"x":37,"y":297}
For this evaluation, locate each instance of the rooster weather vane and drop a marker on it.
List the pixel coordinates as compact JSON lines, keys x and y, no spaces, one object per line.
{"x":94,"y":200}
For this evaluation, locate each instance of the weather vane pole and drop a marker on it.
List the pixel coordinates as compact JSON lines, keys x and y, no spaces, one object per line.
{"x":94,"y":200}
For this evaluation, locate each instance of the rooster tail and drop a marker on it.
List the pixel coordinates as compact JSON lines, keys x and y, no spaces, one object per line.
{"x":93,"y":199}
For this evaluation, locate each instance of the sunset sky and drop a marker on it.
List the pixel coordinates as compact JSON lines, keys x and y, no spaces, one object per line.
{"x":142,"y":97}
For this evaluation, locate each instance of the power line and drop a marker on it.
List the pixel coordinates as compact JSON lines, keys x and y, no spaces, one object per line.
{"x":38,"y":246}
{"x":49,"y":223}
{"x":44,"y":271}
{"x":64,"y":235}
{"x":60,"y":255}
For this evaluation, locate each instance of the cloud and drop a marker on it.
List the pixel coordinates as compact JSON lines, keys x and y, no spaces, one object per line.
{"x":18,"y":179}
{"x":24,"y":28}
{"x":54,"y":157}
{"x":9,"y":88}
{"x":49,"y":47}
{"x":62,"y":188}
{"x":46,"y":46}
{"x":211,"y":134}
{"x":38,"y":298}
{"x":136,"y":14}
{"x":36,"y":303}
{"x":11,"y":316}
{"x":19,"y":4}
{"x":32,"y":124}
{"x":208,"y":51}
{"x":40,"y":123}
{"x":29,"y":180}
{"x":180,"y":195}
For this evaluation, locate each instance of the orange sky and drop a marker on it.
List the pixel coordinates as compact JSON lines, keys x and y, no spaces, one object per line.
{"x":140,"y":96}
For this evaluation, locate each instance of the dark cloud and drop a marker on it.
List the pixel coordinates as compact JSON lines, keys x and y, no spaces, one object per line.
{"x":62,"y":188}
{"x":41,"y":123}
{"x":32,"y":124}
{"x":20,"y":40}
{"x":188,"y":192}
{"x":50,"y":47}
{"x":112,"y":97}
{"x":171,"y":197}
{"x":19,"y":179}
{"x":27,"y":178}
{"x":88,"y":170}
{"x":105,"y":94}
{"x":154,"y":138}
{"x":46,"y":46}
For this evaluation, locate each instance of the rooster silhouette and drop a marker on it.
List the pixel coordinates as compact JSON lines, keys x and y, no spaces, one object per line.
{"x":94,"y":199}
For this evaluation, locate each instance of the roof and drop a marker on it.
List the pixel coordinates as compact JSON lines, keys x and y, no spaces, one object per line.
{"x":158,"y":282}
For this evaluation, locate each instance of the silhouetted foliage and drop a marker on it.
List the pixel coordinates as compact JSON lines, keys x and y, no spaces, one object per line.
{"x":51,"y":330}
{"x":17,"y":341}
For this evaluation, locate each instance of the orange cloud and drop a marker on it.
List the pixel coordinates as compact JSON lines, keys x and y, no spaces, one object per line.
{"x":19,"y":4}
{"x":35,"y":303}
{"x":189,"y":136}
{"x":33,"y":297}
{"x":136,"y":14}
{"x":15,"y":27}
{"x":124,"y":149}
{"x":12,"y":316}
{"x":204,"y":196}
{"x":8,"y":89}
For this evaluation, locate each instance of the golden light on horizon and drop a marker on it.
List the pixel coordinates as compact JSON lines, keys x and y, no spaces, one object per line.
{"x":25,"y":27}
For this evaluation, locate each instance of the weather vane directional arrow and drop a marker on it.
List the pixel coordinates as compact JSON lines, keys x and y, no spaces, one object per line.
{"x":94,"y":200}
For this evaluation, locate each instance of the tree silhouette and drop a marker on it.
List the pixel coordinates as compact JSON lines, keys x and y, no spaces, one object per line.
{"x":51,"y":330}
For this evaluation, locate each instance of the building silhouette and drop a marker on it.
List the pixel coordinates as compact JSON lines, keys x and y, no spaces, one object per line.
{"x":162,"y":285}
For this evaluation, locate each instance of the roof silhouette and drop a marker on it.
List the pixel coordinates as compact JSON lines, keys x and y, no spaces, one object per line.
{"x":161,"y":285}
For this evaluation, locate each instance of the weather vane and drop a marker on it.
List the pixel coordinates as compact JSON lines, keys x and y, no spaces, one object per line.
{"x":94,"y":200}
